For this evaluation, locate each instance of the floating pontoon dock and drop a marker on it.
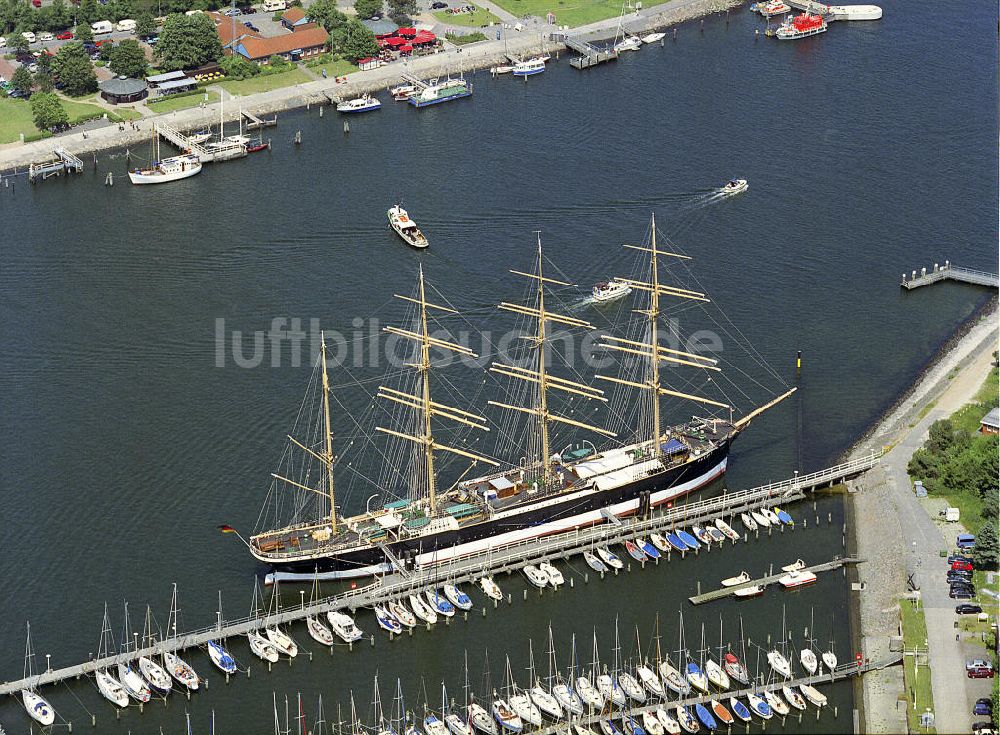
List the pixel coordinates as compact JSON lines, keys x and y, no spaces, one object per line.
{"x":949,"y":272}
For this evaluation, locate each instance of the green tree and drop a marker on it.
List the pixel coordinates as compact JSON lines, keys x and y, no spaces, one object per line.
{"x":44,"y":62}
{"x":402,"y":10}
{"x":43,"y":80}
{"x":19,"y":43}
{"x":61,"y":16}
{"x":21,"y":80}
{"x":128,"y":59}
{"x":368,"y":8}
{"x":238,"y":67}
{"x":145,"y":23}
{"x":188,"y":41}
{"x":88,"y":12}
{"x":359,"y":42}
{"x":73,"y":67}
{"x":83,"y":32}
{"x":987,"y":547}
{"x":47,"y":111}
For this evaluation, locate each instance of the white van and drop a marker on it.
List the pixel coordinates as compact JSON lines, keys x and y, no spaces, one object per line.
{"x":193,"y":12}
{"x":126,"y":25}
{"x":271,"y":6}
{"x":29,"y":36}
{"x":101,"y":27}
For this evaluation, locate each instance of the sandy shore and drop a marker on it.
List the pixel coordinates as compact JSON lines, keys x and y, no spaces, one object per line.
{"x":471,"y":58}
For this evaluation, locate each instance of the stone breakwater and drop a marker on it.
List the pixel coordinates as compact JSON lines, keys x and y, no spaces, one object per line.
{"x":462,"y":60}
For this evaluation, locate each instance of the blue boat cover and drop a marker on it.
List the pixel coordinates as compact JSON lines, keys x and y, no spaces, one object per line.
{"x":706,"y":717}
{"x":674,"y":446}
{"x":690,"y":541}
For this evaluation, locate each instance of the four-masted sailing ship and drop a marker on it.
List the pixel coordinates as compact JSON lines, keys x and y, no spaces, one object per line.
{"x":543,"y":493}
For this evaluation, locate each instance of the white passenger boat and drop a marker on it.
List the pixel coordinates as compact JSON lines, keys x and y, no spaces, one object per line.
{"x":653,"y":37}
{"x":182,"y":673}
{"x":406,"y":228}
{"x":262,"y":648}
{"x":610,"y":290}
{"x":780,"y":664}
{"x":491,"y":589}
{"x":134,"y":684}
{"x":776,"y":703}
{"x":343,"y":626}
{"x":359,"y":104}
{"x":735,"y":186}
{"x":282,"y":641}
{"x":457,"y":597}
{"x":726,"y":529}
{"x":422,"y":610}
{"x":319,"y":632}
{"x":814,"y":695}
{"x":402,"y":614}
{"x":793,"y":698}
{"x":111,"y":688}
{"x":536,"y":576}
{"x":528,"y":67}
{"x":155,"y":675}
{"x":797,"y":579}
{"x":610,"y":558}
{"x":37,"y":707}
{"x":169,"y":169}
{"x":556,"y":578}
{"x":808,"y":659}
{"x":738,"y":579}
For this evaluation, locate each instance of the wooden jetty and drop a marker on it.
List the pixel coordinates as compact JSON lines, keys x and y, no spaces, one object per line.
{"x":843,"y":671}
{"x":589,"y":56}
{"x":63,"y":161}
{"x":256,"y":123}
{"x":510,"y":558}
{"x":771,"y":579}
{"x":206,"y":155}
{"x":949,"y":272}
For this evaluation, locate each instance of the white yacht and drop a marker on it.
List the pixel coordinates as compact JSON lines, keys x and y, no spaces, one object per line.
{"x":169,"y":169}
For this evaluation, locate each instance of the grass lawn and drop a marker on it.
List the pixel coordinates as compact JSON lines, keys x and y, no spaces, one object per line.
{"x":467,"y":38}
{"x":338,"y":68}
{"x":569,"y":12}
{"x":477,"y":19}
{"x":918,"y":679}
{"x":80,"y":111}
{"x":15,"y":118}
{"x":264,"y":83}
{"x":169,"y":104}
{"x":968,"y":417}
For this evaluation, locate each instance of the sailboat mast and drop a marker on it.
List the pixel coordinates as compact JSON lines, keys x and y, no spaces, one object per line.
{"x":543,"y":409}
{"x":654,"y":352}
{"x":328,"y":454}
{"x":425,"y":368}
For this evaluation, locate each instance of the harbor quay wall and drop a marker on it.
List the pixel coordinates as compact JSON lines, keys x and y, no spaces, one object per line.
{"x":461,"y":60}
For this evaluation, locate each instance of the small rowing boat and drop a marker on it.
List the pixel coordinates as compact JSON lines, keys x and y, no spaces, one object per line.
{"x":594,"y":563}
{"x":634,"y":551}
{"x":776,"y":703}
{"x":735,"y":668}
{"x":793,"y":698}
{"x":702,"y":535}
{"x":720,"y":711}
{"x":491,"y":589}
{"x":674,"y":540}
{"x":814,"y":695}
{"x":610,"y":558}
{"x":739,"y":709}
{"x":726,"y":529}
{"x":688,"y":540}
{"x":738,"y":579}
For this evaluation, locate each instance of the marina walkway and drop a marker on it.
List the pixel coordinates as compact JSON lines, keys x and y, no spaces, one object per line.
{"x":949,"y":272}
{"x":506,"y":559}
{"x":771,"y":579}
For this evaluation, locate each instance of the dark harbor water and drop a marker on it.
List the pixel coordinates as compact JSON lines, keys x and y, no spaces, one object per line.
{"x":870,"y":151}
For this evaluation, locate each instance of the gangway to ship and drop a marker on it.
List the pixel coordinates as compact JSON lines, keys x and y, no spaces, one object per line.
{"x":63,"y":161}
{"x":396,"y":562}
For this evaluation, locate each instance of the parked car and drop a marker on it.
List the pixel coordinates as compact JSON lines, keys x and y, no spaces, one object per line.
{"x":983,"y":728}
{"x":961,"y":594}
{"x":977,"y":663}
{"x":29,"y":36}
{"x":45,"y":37}
{"x":963,"y":566}
{"x":3,"y":42}
{"x":980,"y":673}
{"x":983,"y":706}
{"x":958,"y":557}
{"x":954,"y":574}
{"x":962,"y":585}
{"x":65,"y":36}
{"x":246,"y":9}
{"x":967,"y":609}
{"x":965,"y":541}
{"x":251,"y":26}
{"x":231,"y":12}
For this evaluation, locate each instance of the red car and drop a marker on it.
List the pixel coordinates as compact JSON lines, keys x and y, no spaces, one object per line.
{"x":37,"y":3}
{"x":980,"y":672}
{"x":65,"y":36}
{"x":963,"y":566}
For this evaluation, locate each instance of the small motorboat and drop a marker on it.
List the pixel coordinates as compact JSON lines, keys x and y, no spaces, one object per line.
{"x":481,"y":720}
{"x":748,"y":522}
{"x":719,"y":711}
{"x":651,"y":723}
{"x":797,"y":579}
{"x":808,"y":659}
{"x":458,"y":726}
{"x":735,"y":668}
{"x":739,"y":709}
{"x":610,"y":291}
{"x":525,"y":709}
{"x":629,"y":43}
{"x":536,"y":576}
{"x":783,"y":516}
{"x":726,"y":529}
{"x":653,"y":37}
{"x":670,"y":723}
{"x":702,"y":535}
{"x":609,"y":557}
{"x":793,"y":698}
{"x":439,"y":603}
{"x":548,"y":704}
{"x":675,"y":541}
{"x":705,"y":717}
{"x":262,"y":648}
{"x":359,"y":104}
{"x":457,"y":597}
{"x":110,"y":688}
{"x":673,"y":679}
{"x":777,"y":704}
{"x":649,"y":549}
{"x":282,"y":641}
{"x":696,"y":677}
{"x":38,"y":708}
{"x":502,"y":69}
{"x":589,"y":693}
{"x":686,"y":719}
{"x":343,"y":626}
{"x":716,"y":674}
{"x":751,"y":591}
{"x":387,"y":621}
{"x":631,"y":687}
{"x":180,"y":671}
{"x":594,"y":563}
{"x":738,"y":579}
{"x":760,"y":519}
{"x":491,"y":589}
{"x":256,"y":146}
{"x":688,"y":540}
{"x":735,"y":186}
{"x":154,"y":674}
{"x":649,"y":680}
{"x":771,"y":516}
{"x":635,"y":552}
{"x":814,"y":695}
{"x":759,"y":707}
{"x":830,"y":660}
{"x":568,"y":699}
{"x":556,"y":578}
{"x":795,"y":566}
{"x":780,"y":664}
{"x":611,"y":691}
{"x":402,"y":92}
{"x":659,"y":542}
{"x":717,"y":535}
{"x":423,"y":611}
{"x":434,"y":726}
{"x":221,"y":658}
{"x":406,"y":228}
{"x":507,"y":718}
{"x":528,"y":67}
{"x":404,"y":616}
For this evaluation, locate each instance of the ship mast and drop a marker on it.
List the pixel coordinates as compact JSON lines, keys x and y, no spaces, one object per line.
{"x":423,"y":402}
{"x":651,"y":350}
{"x":540,"y":375}
{"x":328,"y":453}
